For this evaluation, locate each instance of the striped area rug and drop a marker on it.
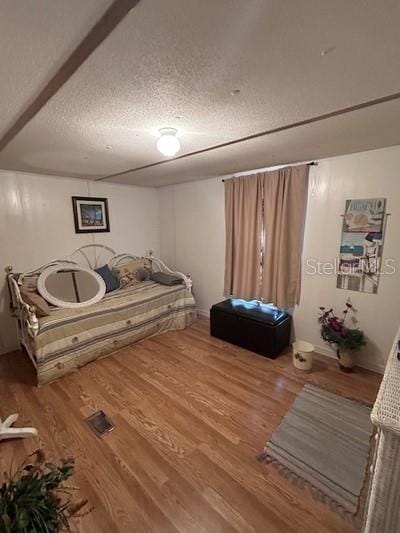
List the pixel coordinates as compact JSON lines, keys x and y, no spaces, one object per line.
{"x":324,"y":443}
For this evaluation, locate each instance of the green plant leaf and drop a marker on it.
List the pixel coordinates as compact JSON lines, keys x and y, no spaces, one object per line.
{"x":34,"y":499}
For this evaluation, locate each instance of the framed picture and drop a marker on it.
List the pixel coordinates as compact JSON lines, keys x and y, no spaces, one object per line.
{"x":90,"y":214}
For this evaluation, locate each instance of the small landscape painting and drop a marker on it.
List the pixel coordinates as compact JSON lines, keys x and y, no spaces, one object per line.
{"x":90,"y":214}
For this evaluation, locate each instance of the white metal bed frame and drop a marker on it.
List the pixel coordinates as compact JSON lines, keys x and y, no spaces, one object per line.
{"x":95,"y":256}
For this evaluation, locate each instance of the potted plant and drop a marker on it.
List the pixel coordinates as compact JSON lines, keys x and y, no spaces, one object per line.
{"x":34,"y":498}
{"x":347,"y":341}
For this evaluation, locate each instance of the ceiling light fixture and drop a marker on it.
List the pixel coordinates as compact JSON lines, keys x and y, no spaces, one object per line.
{"x":168,"y":143}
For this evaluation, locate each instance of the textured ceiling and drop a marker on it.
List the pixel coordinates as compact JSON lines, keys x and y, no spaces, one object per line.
{"x":36,"y":36}
{"x":175,"y":63}
{"x":354,"y":132}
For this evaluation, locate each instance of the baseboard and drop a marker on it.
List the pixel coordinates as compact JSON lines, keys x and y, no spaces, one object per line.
{"x":324,"y":350}
{"x":369,"y":365}
{"x":9,"y":349}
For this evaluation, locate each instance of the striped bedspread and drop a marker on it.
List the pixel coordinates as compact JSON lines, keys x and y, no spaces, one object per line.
{"x":69,"y":338}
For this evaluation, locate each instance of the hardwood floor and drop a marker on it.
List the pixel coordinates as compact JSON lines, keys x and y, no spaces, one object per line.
{"x":192,"y":412}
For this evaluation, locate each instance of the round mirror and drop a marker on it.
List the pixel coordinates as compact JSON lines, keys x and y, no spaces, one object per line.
{"x":71,"y":286}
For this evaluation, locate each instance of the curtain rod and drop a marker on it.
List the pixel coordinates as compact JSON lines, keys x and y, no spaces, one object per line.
{"x":310,"y":164}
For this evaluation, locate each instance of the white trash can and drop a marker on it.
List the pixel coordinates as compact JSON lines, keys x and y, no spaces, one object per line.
{"x":303,"y":355}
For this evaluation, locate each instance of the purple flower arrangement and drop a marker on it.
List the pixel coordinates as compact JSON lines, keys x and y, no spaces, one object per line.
{"x":334,"y":329}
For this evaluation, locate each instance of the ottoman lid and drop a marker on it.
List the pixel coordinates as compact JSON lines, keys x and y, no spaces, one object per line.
{"x":253,"y":309}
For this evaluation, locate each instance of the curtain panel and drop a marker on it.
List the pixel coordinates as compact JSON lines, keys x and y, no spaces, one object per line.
{"x":264,"y":216}
{"x":244,"y":221}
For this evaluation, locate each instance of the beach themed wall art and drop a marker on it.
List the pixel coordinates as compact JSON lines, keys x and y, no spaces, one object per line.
{"x":361,"y":245}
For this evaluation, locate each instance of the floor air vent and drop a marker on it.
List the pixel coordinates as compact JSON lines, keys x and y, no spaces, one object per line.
{"x":100,"y":423}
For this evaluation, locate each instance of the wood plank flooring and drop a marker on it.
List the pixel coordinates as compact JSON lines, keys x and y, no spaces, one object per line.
{"x":192,"y":412}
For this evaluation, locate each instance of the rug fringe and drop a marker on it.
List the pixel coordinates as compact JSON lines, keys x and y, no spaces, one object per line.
{"x":300,"y":482}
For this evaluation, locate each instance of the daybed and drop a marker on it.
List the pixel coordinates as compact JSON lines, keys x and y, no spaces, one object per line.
{"x":69,"y":338}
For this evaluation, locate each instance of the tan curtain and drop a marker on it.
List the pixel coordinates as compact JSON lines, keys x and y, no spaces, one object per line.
{"x":285,"y":201}
{"x":243,"y":217}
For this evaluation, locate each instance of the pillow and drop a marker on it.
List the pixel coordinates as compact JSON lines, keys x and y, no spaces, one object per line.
{"x":108,"y":277}
{"x":29,"y":294}
{"x":29,"y":283}
{"x":127,"y":273}
{"x":143,"y":274}
{"x":166,"y":279}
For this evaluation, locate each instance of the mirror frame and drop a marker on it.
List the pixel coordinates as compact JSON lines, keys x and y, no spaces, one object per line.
{"x":41,"y":286}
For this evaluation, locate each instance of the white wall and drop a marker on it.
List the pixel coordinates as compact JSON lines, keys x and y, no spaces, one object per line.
{"x":192,"y":235}
{"x":193,"y":239}
{"x":36,"y":225}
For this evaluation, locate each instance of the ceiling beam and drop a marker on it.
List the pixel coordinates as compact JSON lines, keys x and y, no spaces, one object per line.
{"x":100,"y":31}
{"x":311,"y":120}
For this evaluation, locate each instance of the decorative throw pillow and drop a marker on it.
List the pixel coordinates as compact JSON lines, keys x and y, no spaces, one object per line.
{"x":29,"y":283}
{"x":108,"y":277}
{"x":127,"y":273}
{"x":30,"y":295}
{"x":143,"y":274}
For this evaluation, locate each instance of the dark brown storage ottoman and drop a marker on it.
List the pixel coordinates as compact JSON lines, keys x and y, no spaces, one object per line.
{"x":252,"y":325}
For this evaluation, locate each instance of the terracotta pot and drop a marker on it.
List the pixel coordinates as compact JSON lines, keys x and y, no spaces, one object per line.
{"x":346,"y":360}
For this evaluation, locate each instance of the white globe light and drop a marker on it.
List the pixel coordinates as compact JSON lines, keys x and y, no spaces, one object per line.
{"x":168,"y":144}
